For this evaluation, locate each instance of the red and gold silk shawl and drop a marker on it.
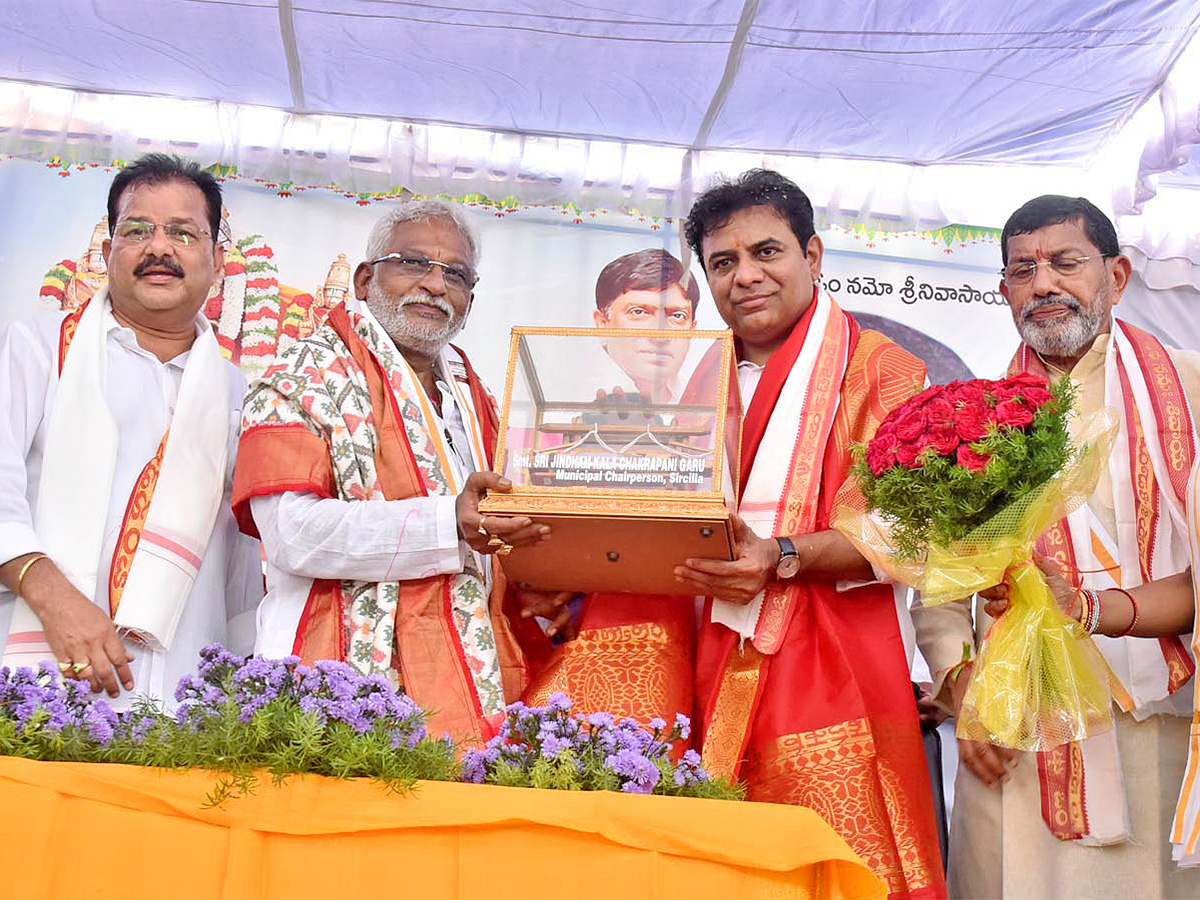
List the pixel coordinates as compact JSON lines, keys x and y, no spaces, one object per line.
{"x":818,"y":709}
{"x":1069,"y":809}
{"x":428,"y":653}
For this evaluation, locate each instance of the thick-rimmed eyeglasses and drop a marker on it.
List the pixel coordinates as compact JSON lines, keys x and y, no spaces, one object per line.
{"x":1023,"y":272}
{"x":138,"y":231}
{"x":417,"y":265}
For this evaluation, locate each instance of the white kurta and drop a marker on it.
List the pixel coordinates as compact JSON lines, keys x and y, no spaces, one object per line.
{"x":140,"y":392}
{"x":307,"y":537}
{"x":1186,"y":831}
{"x":999,"y":844}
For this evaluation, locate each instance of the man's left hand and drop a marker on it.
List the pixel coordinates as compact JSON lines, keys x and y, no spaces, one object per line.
{"x":739,"y":581}
{"x":486,"y":534}
{"x":929,"y":712}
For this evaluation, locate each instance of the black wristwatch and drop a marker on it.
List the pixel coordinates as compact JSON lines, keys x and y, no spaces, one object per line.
{"x":789,"y":559}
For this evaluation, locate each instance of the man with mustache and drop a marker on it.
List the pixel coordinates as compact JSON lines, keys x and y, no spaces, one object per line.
{"x":121,"y":559}
{"x":802,"y":686}
{"x":1091,"y":819}
{"x":645,"y":290}
{"x":365,"y":449}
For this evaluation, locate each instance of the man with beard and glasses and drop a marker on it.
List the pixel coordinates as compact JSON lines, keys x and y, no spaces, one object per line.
{"x":365,"y":449}
{"x":1090,"y":819}
{"x":120,"y":557}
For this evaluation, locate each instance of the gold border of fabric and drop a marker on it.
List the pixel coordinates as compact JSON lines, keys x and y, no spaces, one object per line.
{"x":132,"y":523}
{"x":799,"y":507}
{"x":1061,"y":774}
{"x":729,"y":726}
{"x":838,"y":772}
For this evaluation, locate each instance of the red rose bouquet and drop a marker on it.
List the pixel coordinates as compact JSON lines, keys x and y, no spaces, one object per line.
{"x":956,"y":486}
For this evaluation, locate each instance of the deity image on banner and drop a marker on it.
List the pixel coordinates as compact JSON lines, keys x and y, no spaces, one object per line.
{"x":254,"y":316}
{"x":72,"y":283}
{"x":334,"y":291}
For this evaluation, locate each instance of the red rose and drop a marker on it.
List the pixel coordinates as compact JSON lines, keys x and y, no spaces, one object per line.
{"x":967,"y":393}
{"x":1014,"y":414}
{"x":1036,"y":396}
{"x":934,"y":390}
{"x":884,"y":441}
{"x":970,"y":459}
{"x":971,"y":422}
{"x":906,"y":455}
{"x":1027,"y":379}
{"x":944,"y":439}
{"x":879,"y":460}
{"x":911,"y":426}
{"x":939,"y":412}
{"x":887,"y":427}
{"x":881,"y":452}
{"x":1003,"y":391}
{"x":924,"y":439}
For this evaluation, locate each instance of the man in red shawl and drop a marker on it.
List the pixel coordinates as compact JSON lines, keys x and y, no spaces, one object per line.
{"x":364,"y":451}
{"x":803,"y":685}
{"x":1091,"y":818}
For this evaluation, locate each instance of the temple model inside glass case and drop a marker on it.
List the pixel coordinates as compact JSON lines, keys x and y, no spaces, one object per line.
{"x":619,"y":440}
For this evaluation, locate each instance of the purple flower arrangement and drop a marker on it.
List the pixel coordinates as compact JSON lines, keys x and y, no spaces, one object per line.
{"x":42,"y":719}
{"x":239,"y":716}
{"x":549,"y":747}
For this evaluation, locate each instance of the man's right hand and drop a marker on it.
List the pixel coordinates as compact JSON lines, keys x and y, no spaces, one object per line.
{"x":77,"y":630}
{"x":516,"y":531}
{"x":552,"y":605}
{"x":1065,"y":595}
{"x":989,"y":763}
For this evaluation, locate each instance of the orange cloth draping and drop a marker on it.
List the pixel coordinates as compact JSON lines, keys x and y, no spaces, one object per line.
{"x":87,"y":830}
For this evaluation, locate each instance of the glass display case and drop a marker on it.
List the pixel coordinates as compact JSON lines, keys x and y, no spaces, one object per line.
{"x":624,"y":442}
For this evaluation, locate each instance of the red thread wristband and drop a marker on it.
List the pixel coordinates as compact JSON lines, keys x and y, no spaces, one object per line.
{"x":1133,"y":621}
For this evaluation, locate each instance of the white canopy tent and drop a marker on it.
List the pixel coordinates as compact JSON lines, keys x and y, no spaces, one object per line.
{"x":895,"y":114}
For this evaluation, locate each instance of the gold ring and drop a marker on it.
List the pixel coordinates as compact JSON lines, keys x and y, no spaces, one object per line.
{"x":481,"y":529}
{"x":504,"y":549}
{"x":64,"y":667}
{"x":80,"y":666}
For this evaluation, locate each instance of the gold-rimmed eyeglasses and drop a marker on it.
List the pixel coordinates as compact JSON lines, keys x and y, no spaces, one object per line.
{"x":138,"y":231}
{"x":1023,"y":272}
{"x":417,"y":265}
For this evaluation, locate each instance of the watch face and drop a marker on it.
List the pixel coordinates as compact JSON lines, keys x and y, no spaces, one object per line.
{"x":788,"y":566}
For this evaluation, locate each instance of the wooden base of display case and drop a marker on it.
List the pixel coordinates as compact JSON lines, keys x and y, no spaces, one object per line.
{"x":593,"y":552}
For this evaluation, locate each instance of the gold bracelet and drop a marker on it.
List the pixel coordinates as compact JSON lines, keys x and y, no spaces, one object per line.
{"x":25,"y":571}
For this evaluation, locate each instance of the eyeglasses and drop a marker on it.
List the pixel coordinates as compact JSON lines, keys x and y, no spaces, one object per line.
{"x":417,"y":265}
{"x":1023,"y":272}
{"x":138,"y":231}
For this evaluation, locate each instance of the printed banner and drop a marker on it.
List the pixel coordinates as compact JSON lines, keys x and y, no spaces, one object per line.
{"x":292,"y":253}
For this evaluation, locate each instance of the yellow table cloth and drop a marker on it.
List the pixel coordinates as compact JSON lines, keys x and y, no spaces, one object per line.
{"x":85,"y":830}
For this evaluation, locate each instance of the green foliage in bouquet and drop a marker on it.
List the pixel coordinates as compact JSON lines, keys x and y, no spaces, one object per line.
{"x":955,"y":455}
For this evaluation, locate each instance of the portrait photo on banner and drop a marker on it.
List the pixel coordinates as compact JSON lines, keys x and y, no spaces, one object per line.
{"x":291,"y":251}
